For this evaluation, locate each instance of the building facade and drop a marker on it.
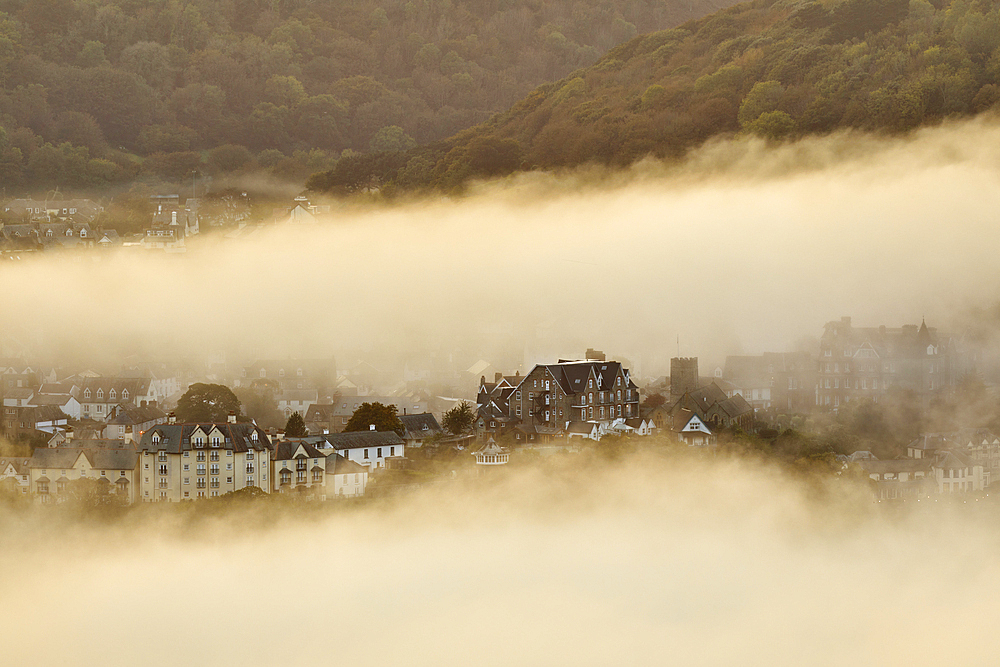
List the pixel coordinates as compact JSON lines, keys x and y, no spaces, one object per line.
{"x":189,"y":461}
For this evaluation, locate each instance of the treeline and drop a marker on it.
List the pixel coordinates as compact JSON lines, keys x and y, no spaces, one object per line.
{"x":770,"y":67}
{"x":103,"y":91}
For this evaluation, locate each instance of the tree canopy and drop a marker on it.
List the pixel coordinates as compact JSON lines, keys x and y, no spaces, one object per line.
{"x":292,"y":76}
{"x":767,"y":68}
{"x":207,"y":403}
{"x":295,"y":427}
{"x":382,"y":416}
{"x":459,"y":419}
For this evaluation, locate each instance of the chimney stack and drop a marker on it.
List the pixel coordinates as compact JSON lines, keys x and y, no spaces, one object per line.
{"x":499,"y":376}
{"x":171,"y":418}
{"x":232,"y":417}
{"x":371,"y":427}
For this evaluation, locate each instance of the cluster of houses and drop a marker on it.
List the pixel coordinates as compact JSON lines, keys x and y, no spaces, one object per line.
{"x":109,"y":436}
{"x":591,"y":398}
{"x":173,"y":462}
{"x":958,"y":462}
{"x":116,"y":428}
{"x":33,"y":225}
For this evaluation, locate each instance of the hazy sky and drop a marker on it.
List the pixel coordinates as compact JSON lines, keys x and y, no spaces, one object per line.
{"x":743,"y":249}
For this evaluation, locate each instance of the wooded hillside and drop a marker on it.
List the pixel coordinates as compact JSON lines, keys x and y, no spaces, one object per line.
{"x":777,"y":68}
{"x":97,"y":92}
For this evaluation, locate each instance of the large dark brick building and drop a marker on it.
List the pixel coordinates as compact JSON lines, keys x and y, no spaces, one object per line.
{"x":553,"y":395}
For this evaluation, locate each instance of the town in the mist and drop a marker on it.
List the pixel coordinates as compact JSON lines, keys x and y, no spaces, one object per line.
{"x":904,"y":411}
{"x":499,"y":332}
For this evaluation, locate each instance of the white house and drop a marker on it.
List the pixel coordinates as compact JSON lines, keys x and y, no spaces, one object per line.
{"x":690,"y":429}
{"x":367,"y":448}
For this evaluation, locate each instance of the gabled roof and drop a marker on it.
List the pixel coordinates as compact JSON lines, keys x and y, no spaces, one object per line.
{"x":176,"y":438}
{"x":285,"y":450}
{"x":586,"y":428}
{"x":419,"y":426}
{"x":356,"y":439}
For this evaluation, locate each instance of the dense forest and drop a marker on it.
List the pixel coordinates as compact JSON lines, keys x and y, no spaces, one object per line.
{"x":775,"y":68}
{"x":99,"y":92}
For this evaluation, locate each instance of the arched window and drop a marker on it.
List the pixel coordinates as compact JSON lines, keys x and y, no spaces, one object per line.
{"x":112,"y":394}
{"x":86,"y":393}
{"x":100,"y":393}
{"x":125,"y":394}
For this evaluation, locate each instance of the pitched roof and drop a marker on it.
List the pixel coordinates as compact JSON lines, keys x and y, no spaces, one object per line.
{"x":175,"y":438}
{"x":419,"y":426}
{"x":285,"y":450}
{"x":356,"y":439}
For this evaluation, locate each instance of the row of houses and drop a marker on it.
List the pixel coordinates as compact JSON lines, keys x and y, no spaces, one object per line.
{"x":174,"y":462}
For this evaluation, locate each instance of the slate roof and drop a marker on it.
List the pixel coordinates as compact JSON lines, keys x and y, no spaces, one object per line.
{"x":176,"y":438}
{"x":419,"y":426}
{"x":127,"y":414}
{"x":356,"y":439}
{"x":20,"y":463}
{"x":581,"y":427}
{"x":66,"y":457}
{"x":136,"y":387}
{"x":285,"y":450}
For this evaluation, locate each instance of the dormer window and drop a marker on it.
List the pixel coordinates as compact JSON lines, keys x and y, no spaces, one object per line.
{"x":100,"y":393}
{"x":263,"y":373}
{"x":83,"y":233}
{"x":199,"y":441}
{"x":299,"y":372}
{"x":112,"y":395}
{"x":48,"y":233}
{"x":69,"y":232}
{"x":125,"y":394}
{"x":86,"y":393}
{"x":281,"y":372}
{"x":156,"y":438}
{"x":253,"y":436}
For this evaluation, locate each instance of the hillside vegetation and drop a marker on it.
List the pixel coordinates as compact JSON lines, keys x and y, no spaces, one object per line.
{"x":776,"y":68}
{"x":98,"y":92}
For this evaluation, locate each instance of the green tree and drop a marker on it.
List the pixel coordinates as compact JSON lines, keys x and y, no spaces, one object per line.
{"x":228,"y":158}
{"x":459,"y":419}
{"x":207,"y":403}
{"x":763,"y":97}
{"x":295,"y":427}
{"x":92,"y":55}
{"x":382,"y":416}
{"x":391,"y":139}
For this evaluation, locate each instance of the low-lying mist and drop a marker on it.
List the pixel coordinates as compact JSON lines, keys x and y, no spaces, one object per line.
{"x":742,"y":248}
{"x":651,"y":560}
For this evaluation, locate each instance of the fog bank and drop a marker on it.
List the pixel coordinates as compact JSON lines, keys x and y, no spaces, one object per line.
{"x":743,"y":248}
{"x":649,"y":562}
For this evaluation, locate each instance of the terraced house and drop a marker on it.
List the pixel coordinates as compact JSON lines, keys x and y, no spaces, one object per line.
{"x":53,"y":472}
{"x":300,"y":468}
{"x":189,"y":461}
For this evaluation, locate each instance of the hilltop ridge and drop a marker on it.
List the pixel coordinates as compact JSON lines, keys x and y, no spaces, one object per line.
{"x":774,"y":68}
